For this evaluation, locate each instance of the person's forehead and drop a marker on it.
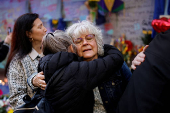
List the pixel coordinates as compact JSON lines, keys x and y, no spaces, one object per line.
{"x":37,"y":22}
{"x":80,"y":34}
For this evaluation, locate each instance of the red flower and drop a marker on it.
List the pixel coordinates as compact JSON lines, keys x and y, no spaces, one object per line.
{"x":1,"y":93}
{"x":129,"y":45}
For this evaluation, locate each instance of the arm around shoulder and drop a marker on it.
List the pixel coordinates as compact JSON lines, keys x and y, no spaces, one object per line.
{"x":96,"y":71}
{"x":115,"y":54}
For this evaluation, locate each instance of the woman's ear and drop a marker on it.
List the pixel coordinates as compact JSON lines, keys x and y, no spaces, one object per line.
{"x":28,"y":34}
{"x":70,"y":49}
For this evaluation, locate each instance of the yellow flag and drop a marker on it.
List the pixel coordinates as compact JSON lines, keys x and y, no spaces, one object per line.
{"x":109,"y":4}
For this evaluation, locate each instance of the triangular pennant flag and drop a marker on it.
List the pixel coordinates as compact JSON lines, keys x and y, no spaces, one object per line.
{"x":109,"y":4}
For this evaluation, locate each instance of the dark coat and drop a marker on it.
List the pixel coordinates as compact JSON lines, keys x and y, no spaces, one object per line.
{"x":148,"y":88}
{"x":74,"y":92}
{"x":112,"y":89}
{"x":3,"y":51}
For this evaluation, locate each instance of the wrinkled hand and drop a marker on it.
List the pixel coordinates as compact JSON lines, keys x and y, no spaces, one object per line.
{"x":38,"y":81}
{"x":139,"y":58}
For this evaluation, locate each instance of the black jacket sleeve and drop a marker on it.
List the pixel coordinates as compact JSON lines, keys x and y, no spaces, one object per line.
{"x":148,"y":88}
{"x":3,"y":52}
{"x":94,"y":72}
{"x":87,"y":74}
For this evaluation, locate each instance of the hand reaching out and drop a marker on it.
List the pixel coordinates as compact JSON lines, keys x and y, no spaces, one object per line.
{"x":8,"y":39}
{"x":139,"y":58}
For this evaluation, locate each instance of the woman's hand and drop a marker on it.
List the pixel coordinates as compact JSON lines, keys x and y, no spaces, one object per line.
{"x":8,"y":39}
{"x":139,"y":58}
{"x":39,"y":81}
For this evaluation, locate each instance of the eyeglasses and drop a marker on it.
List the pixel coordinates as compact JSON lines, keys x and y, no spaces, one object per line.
{"x":88,"y":38}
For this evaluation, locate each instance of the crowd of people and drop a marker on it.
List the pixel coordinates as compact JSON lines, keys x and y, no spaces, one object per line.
{"x":96,"y":79}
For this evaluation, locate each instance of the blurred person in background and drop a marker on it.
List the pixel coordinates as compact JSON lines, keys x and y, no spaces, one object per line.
{"x":148,"y":88}
{"x":4,"y":47}
{"x":73,"y":92}
{"x":24,"y":56}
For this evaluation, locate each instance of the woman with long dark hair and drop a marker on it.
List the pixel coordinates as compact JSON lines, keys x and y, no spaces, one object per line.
{"x":23,"y":58}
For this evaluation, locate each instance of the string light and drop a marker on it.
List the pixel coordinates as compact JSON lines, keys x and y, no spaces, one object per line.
{"x":3,"y":82}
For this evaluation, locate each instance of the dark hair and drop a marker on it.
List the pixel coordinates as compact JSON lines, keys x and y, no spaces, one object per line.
{"x":20,"y":43}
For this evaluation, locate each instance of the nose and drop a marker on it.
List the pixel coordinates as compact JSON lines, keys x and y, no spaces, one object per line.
{"x":85,"y":42}
{"x":45,"y":29}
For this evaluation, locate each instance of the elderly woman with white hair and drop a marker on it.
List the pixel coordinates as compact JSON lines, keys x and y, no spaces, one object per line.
{"x":89,"y":43}
{"x":73,"y":93}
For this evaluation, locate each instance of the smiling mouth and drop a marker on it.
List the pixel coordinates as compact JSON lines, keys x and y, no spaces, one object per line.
{"x":86,"y":50}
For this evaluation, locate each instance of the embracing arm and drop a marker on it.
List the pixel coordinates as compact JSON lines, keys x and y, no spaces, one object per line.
{"x":87,"y":74}
{"x":99,"y":69}
{"x":37,"y":80}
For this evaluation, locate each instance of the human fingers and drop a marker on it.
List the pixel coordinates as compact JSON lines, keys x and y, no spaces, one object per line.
{"x":137,"y":60}
{"x":140,"y":55}
{"x":134,"y":64}
{"x":41,"y":72}
{"x":133,"y":67}
{"x":37,"y":80}
{"x":41,"y":76}
{"x":145,"y":47}
{"x":8,"y":38}
{"x":43,"y":86}
{"x":42,"y":82}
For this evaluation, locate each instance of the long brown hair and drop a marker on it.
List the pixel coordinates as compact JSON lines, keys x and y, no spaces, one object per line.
{"x":20,"y":43}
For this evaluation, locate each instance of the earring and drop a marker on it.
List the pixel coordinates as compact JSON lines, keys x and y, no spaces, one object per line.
{"x":31,"y":39}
